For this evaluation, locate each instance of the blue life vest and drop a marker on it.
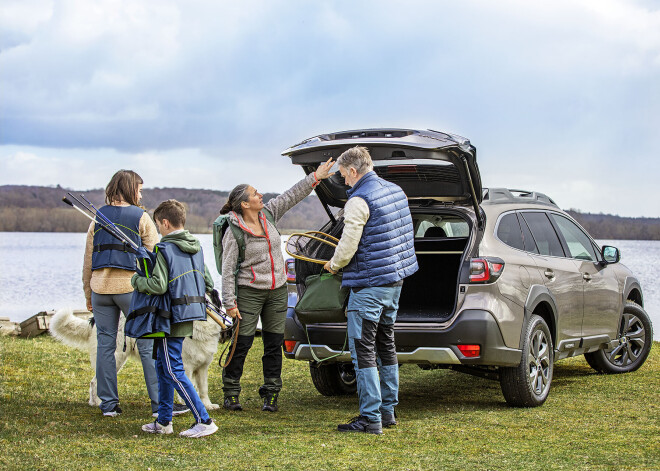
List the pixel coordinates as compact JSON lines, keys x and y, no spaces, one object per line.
{"x":110,"y":252}
{"x":183,"y":301}
{"x":386,"y":252}
{"x":148,"y":313}
{"x":186,"y":287}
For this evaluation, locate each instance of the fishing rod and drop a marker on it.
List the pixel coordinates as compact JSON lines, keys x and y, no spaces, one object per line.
{"x":99,"y":213}
{"x":217,"y":313}
{"x":108,"y":229}
{"x":108,"y":223}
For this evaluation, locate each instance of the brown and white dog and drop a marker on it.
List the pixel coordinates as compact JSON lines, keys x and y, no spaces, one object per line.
{"x":197,"y":352}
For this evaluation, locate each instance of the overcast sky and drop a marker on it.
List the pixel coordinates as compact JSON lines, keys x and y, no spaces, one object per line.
{"x":561,"y":97}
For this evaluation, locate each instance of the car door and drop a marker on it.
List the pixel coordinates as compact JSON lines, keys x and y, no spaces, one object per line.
{"x":561,"y":275}
{"x":602,"y":300}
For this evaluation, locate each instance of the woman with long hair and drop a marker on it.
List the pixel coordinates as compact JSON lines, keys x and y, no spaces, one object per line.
{"x":258,"y":289}
{"x":108,"y":267}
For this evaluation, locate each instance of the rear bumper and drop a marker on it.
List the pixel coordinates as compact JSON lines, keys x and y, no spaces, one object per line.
{"x":415,"y":343}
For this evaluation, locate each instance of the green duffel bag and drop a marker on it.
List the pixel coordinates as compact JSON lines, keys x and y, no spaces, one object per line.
{"x":324,"y":300}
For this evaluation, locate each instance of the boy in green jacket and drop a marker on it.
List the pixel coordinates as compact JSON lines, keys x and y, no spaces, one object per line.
{"x":179,"y":273}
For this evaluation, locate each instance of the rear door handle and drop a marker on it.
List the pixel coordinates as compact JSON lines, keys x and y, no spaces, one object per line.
{"x":586,"y":277}
{"x":549,"y":273}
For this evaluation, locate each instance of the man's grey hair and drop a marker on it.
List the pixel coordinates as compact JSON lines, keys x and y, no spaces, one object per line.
{"x":357,"y":157}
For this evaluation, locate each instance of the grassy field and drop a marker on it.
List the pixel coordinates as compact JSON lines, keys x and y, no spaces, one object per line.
{"x":447,"y":421}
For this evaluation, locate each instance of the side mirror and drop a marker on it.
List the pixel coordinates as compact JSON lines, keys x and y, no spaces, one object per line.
{"x":610,"y":254}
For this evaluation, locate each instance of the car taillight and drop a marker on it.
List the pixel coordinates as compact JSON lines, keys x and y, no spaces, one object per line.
{"x":290,"y":345}
{"x":469,"y":350}
{"x":291,"y":270}
{"x":485,"y":270}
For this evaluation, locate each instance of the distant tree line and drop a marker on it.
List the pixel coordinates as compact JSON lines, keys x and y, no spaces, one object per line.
{"x":607,"y":226}
{"x":40,"y":209}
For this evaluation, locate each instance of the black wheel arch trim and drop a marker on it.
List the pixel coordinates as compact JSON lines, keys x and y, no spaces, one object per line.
{"x":540,"y":294}
{"x":632,"y":284}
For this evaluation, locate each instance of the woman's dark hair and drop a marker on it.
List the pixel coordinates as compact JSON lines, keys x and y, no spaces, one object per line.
{"x":236,"y":197}
{"x":123,"y":186}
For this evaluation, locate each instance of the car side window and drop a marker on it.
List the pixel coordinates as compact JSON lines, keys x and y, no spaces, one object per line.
{"x":544,"y":234}
{"x":508,"y":231}
{"x":579,"y":244}
{"x":530,"y":245}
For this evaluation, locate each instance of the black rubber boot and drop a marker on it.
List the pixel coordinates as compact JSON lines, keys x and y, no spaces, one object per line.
{"x":231,"y":375}
{"x":272,"y":359}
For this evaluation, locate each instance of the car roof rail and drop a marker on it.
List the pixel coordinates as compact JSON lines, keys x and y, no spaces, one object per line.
{"x":507,"y":195}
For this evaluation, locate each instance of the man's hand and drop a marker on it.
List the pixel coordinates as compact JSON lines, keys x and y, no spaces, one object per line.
{"x":233,"y":313}
{"x":328,"y":267}
{"x":89,"y":305}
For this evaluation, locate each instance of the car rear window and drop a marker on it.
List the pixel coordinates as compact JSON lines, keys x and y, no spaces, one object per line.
{"x":544,"y":234}
{"x":439,"y":225}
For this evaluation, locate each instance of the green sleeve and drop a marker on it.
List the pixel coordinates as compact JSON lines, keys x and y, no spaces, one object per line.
{"x":156,"y":282}
{"x":208,"y":280}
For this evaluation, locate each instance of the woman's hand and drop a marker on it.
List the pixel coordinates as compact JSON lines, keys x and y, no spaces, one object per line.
{"x":324,"y":170}
{"x":233,"y":313}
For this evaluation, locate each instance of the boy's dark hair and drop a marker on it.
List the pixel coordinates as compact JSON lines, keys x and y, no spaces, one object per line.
{"x":173,"y":211}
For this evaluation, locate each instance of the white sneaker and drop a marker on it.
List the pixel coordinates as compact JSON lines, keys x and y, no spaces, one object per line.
{"x":200,"y":430}
{"x":155,"y":427}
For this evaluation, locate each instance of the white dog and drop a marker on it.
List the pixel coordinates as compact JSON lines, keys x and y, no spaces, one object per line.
{"x":197,"y":352}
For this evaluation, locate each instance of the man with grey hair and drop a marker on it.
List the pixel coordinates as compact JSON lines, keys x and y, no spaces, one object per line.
{"x":376,"y":252}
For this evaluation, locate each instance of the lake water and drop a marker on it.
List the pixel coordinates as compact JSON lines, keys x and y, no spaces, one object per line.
{"x":42,"y":271}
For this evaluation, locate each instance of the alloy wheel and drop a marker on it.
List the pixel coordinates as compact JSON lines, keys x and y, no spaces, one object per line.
{"x":632,"y":338}
{"x":539,"y":362}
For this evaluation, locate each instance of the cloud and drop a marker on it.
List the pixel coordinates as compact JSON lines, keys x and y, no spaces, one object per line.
{"x":529,"y":82}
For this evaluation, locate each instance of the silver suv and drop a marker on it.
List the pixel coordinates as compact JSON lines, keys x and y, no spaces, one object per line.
{"x":508,"y":283}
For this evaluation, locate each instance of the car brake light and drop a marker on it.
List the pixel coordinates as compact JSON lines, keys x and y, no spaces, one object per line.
{"x":291,"y":270}
{"x":470,"y":350}
{"x":485,"y":270}
{"x":290,"y":345}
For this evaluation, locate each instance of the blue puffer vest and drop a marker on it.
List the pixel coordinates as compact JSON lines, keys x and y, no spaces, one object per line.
{"x":186,"y":286}
{"x":110,"y":252}
{"x":386,"y":252}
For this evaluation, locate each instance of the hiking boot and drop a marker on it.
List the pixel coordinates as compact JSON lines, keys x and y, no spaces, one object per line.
{"x":361,"y":424}
{"x":156,"y":427}
{"x":200,"y":429}
{"x":113,"y":413}
{"x":231,"y":403}
{"x":388,"y":420}
{"x":177,"y":409}
{"x":270,"y":402}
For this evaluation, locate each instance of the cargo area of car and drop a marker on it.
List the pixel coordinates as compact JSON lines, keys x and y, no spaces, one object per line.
{"x":430,"y":294}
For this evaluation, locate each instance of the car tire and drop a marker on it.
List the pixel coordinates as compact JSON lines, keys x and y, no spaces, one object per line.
{"x":528,"y":384}
{"x":333,"y":379}
{"x":635,"y":337}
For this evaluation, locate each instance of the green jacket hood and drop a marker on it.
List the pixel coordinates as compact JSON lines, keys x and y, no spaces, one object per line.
{"x":184,"y":240}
